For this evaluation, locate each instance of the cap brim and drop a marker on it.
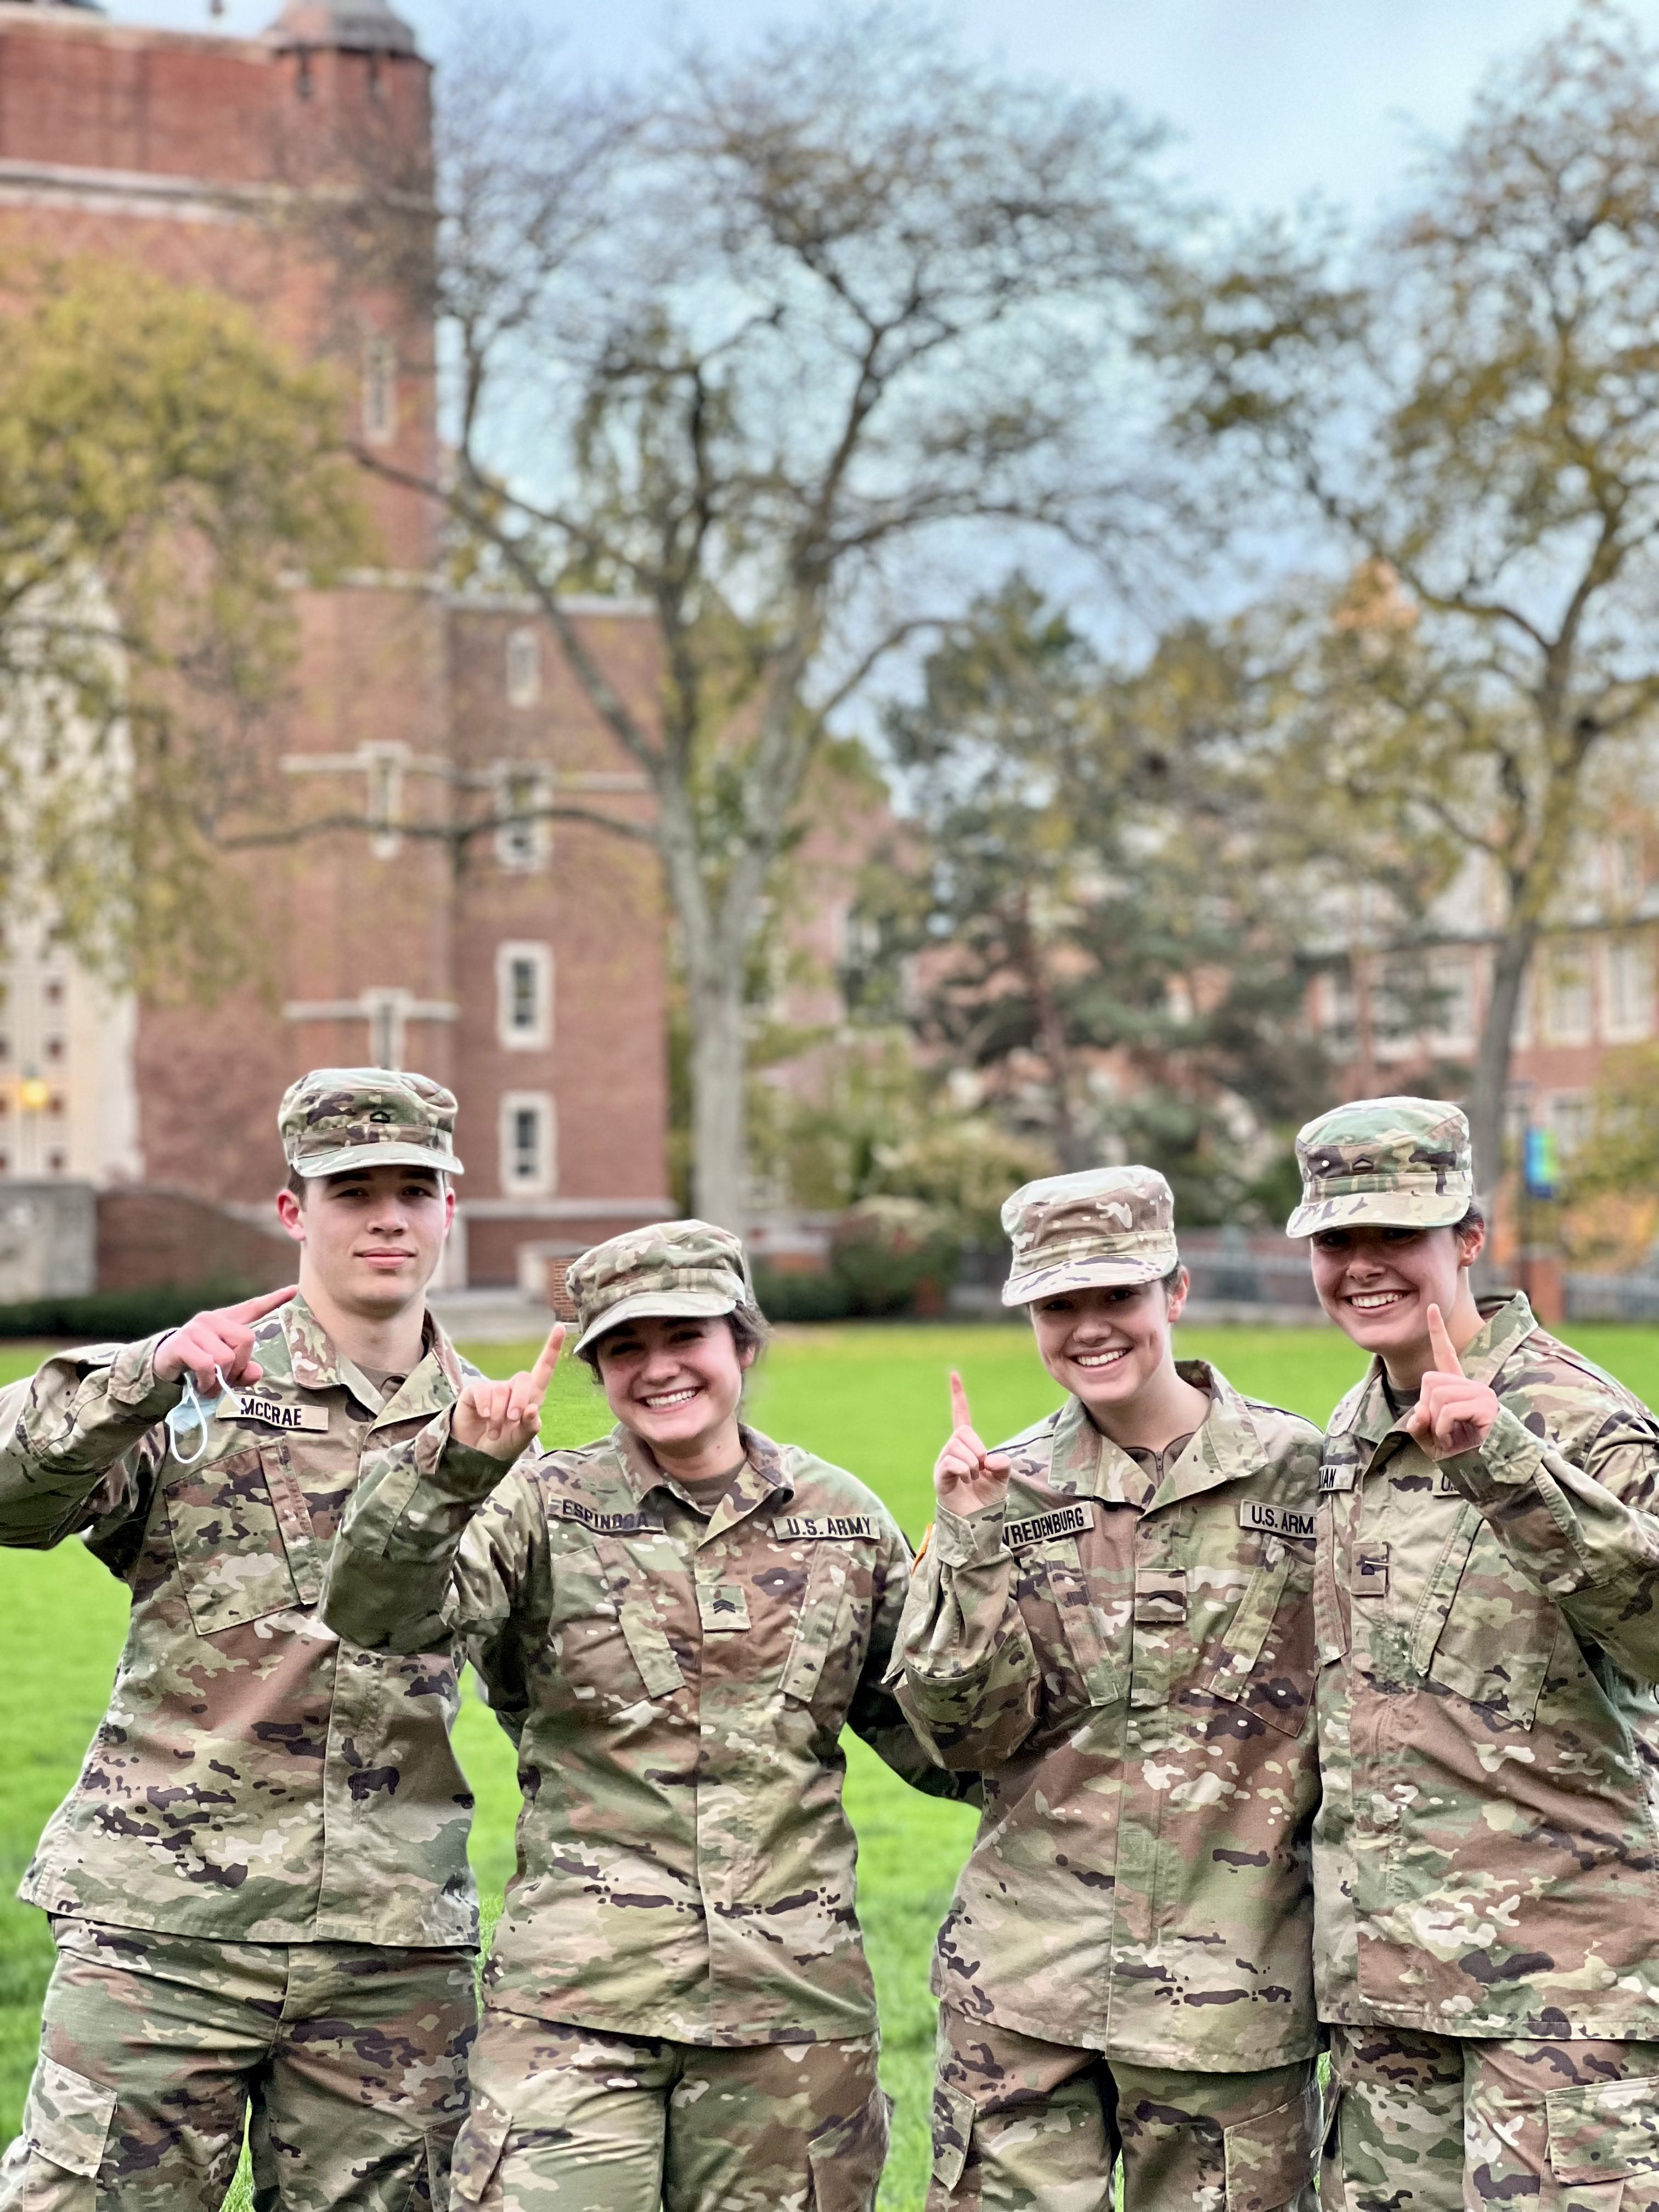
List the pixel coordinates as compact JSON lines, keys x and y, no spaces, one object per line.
{"x":1402,"y":1209}
{"x":674,"y":1305}
{"x":374,"y":1156}
{"x":1023,"y":1290}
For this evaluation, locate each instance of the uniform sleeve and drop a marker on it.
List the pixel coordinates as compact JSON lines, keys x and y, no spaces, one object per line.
{"x":876,"y":1713}
{"x":441,"y":1549}
{"x":69,"y":1438}
{"x":1588,"y":1536}
{"x":967,"y":1676}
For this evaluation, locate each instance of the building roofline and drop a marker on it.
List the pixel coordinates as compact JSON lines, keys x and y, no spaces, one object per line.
{"x":576,"y":602}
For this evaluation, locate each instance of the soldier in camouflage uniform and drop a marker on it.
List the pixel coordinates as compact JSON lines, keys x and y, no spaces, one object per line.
{"x":1487,"y":1897}
{"x":1112,"y":1620}
{"x":259,"y":1885}
{"x":676,"y":1625}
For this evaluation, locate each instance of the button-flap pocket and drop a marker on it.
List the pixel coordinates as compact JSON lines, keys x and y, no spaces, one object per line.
{"x":1273,"y":2157}
{"x":846,"y":2159}
{"x":1080,"y":1623}
{"x":1605,"y":2132}
{"x":953,"y":2131}
{"x":478,"y":2149}
{"x":67,"y":2118}
{"x":819,"y":1622}
{"x":643,"y":1632}
{"x":228,"y":1539}
{"x":1267,"y":1661}
{"x":1481,"y":1630}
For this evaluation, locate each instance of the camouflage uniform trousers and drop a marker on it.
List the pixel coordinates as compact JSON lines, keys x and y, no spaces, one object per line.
{"x":1429,"y":2123}
{"x":566,"y":2118}
{"x":1025,"y":2126}
{"x":348,"y":2061}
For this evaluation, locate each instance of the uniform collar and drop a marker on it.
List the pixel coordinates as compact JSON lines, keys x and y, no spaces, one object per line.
{"x":1224,"y":1446}
{"x":302,"y":1345}
{"x":762,"y":1479}
{"x":1505,"y":1322}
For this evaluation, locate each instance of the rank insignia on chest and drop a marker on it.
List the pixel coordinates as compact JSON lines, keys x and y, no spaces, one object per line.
{"x":824,"y":1528}
{"x":1275,"y":1520}
{"x":275,"y":1413}
{"x":722,"y":1606}
{"x":609,"y":1524}
{"x":1073,"y":1519}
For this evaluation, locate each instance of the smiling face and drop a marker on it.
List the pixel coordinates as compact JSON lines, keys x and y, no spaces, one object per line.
{"x":371,"y":1238}
{"x":1106,"y":1346}
{"x":676,"y":1382}
{"x":1377,"y":1282}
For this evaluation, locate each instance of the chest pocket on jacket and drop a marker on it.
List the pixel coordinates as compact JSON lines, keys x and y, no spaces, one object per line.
{"x":819,"y":1626}
{"x":1480,"y":1631}
{"x":629,"y":1590}
{"x":1267,"y":1662}
{"x":1080,"y":1622}
{"x":230,"y":1541}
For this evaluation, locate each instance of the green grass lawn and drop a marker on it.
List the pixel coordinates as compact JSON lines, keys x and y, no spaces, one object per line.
{"x":872,"y":1397}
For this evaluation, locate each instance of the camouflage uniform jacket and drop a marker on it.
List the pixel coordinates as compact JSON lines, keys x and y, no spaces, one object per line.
{"x":677,"y":1683}
{"x":254,"y":1778}
{"x":1486,"y":1854}
{"x":1136,"y":1683}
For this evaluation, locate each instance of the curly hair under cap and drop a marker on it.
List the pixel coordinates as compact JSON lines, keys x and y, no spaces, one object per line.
{"x":750,"y":1333}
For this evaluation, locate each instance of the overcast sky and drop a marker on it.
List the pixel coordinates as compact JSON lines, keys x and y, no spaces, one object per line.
{"x":1273,"y":99}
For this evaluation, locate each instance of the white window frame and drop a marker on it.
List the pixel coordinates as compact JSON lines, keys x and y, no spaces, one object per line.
{"x":540,"y":1178}
{"x":523,"y":669}
{"x":1451,"y":977}
{"x":522,"y":847}
{"x":1620,"y":1025}
{"x":1556,"y":964}
{"x":383,"y":775}
{"x":386,"y":1012}
{"x":537,"y":1035}
{"x":379,"y":392}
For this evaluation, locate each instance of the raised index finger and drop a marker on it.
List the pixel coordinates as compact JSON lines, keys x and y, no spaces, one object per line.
{"x":1446,"y":1361}
{"x":542,"y":1373}
{"x":960,"y":1417}
{"x":267,"y":1302}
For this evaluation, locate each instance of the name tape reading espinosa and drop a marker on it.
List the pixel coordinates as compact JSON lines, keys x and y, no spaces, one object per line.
{"x":609,"y":1524}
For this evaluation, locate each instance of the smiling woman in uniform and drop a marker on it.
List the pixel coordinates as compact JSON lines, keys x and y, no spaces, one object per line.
{"x":1114,"y":1621}
{"x":675,"y":1624}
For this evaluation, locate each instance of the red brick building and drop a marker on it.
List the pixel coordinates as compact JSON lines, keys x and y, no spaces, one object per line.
{"x":526,"y":969}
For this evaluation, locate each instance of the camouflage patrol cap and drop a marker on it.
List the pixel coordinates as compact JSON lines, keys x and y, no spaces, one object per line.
{"x":1101,"y":1228}
{"x":679,"y":1269}
{"x":337,"y":1118}
{"x":1401,"y":1163}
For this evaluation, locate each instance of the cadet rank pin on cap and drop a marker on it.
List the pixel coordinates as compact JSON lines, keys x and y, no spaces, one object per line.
{"x":1401,"y":1162}
{"x":683,"y":1269}
{"x":337,"y":1118}
{"x":1097,"y":1230}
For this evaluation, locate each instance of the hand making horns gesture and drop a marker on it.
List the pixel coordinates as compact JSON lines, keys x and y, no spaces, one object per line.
{"x":1452,"y":1414}
{"x":965,"y":1475}
{"x":502,"y":1419}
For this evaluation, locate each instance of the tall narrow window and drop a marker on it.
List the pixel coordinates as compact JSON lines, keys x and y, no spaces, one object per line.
{"x":379,"y":390}
{"x":524,"y":996}
{"x":522,"y":840}
{"x":384,"y":766}
{"x":1626,"y":990}
{"x":386,"y":1014}
{"x":524,"y":667}
{"x":527,"y":1161}
{"x":1565,"y":995}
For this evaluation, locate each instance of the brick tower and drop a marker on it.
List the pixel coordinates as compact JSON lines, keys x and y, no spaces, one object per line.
{"x":527,"y":972}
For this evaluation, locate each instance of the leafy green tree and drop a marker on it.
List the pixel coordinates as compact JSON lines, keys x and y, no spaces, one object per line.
{"x":1466,"y":404}
{"x":165,"y":472}
{"x":1086,"y":928}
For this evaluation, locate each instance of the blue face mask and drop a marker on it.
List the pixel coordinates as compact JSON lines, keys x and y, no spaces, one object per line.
{"x":194,"y":1412}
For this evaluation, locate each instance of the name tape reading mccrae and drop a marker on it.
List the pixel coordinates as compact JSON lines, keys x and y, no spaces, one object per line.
{"x":275,"y":1413}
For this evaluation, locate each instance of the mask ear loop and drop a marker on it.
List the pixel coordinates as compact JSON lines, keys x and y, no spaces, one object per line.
{"x":194,"y":1412}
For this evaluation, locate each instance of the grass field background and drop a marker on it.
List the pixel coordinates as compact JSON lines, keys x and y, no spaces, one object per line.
{"x":871,"y":1399}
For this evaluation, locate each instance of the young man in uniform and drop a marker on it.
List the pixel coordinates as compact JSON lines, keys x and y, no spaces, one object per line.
{"x":1487,"y":1595}
{"x":259,"y":1885}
